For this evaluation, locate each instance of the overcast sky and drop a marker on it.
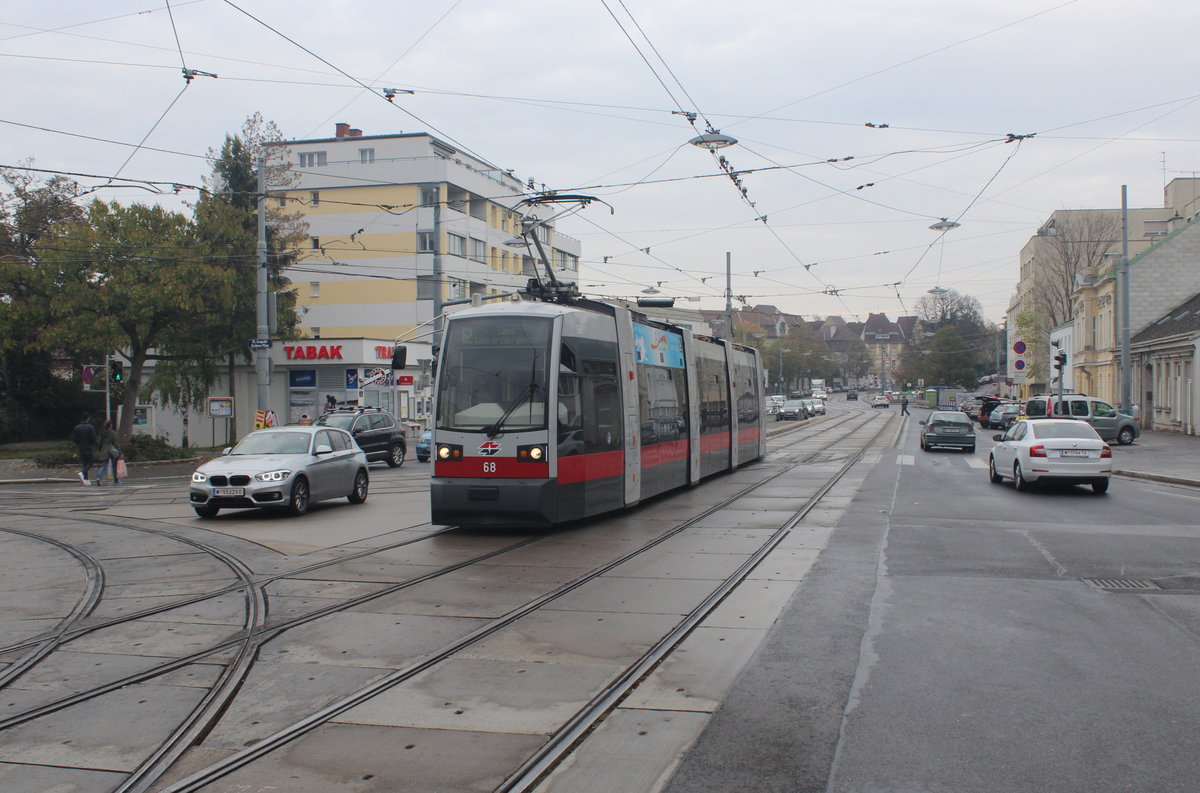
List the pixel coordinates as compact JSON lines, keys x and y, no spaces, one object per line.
{"x":589,"y":96}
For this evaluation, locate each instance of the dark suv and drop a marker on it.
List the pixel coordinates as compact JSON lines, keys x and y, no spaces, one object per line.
{"x":376,"y":431}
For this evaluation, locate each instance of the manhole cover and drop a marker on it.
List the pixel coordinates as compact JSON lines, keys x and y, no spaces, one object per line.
{"x":1121,"y":584}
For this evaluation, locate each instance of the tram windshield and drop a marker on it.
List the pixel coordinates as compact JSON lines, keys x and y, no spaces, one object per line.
{"x":493,"y":374}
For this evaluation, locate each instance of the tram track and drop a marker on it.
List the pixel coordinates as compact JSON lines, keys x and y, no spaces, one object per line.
{"x":560,"y":744}
{"x":246,"y":644}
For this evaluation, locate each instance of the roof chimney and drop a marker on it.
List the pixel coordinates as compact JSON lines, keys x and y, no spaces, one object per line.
{"x":356,"y":133}
{"x":341,"y":130}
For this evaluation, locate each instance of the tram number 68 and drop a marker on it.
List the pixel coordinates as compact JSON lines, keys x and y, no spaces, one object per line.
{"x":489,"y":468}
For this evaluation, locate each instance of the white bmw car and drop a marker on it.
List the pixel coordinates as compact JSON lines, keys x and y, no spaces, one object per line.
{"x":1051,"y":450}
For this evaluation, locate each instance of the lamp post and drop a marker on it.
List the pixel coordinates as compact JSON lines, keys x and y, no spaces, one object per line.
{"x":782,"y":386}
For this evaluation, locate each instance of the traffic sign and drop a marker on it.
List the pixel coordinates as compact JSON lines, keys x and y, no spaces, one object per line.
{"x":1019,"y":347}
{"x":1018,"y":365}
{"x":260,"y":344}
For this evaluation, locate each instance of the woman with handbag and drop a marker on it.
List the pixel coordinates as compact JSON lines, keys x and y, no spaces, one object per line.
{"x":109,"y":453}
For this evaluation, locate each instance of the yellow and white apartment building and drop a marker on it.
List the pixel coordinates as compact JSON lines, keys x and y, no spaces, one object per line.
{"x":399,"y":226}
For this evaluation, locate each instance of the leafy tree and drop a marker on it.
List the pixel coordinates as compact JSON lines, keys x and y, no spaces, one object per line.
{"x":946,"y":360}
{"x":37,"y":403}
{"x":136,"y":279}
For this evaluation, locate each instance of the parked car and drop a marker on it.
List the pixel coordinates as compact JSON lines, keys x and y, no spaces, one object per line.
{"x":880,"y":401}
{"x":422,"y":447}
{"x":283,"y":468}
{"x":1058,"y":450}
{"x":375,"y":431}
{"x":1109,"y":423}
{"x":986,"y":405}
{"x":948,"y":429}
{"x":970,"y":406}
{"x":793,"y":410}
{"x":851,"y":395}
{"x":1004,"y":415}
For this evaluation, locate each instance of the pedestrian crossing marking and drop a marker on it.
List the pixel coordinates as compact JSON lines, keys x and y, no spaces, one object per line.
{"x":906,"y":459}
{"x":975,"y":462}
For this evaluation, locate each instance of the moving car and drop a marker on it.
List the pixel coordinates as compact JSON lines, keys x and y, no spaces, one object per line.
{"x":1109,"y":423}
{"x":851,"y":395}
{"x":880,"y":401}
{"x":793,"y":409}
{"x":422,"y":448}
{"x":285,"y":468}
{"x":375,"y":431}
{"x":816,"y":407}
{"x":820,"y":394}
{"x":1055,"y":450}
{"x":948,"y":429}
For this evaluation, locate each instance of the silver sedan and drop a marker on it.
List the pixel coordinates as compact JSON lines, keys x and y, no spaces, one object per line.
{"x":1051,"y":450}
{"x":284,"y":468}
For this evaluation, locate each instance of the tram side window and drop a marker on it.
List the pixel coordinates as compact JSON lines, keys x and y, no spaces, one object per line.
{"x":714,"y":396}
{"x":570,"y":415}
{"x":662,"y":399}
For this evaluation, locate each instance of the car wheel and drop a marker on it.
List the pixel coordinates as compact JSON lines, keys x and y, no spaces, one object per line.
{"x":1019,"y":481}
{"x":1125,"y":436}
{"x":207,"y":511}
{"x":924,"y":448}
{"x":395,"y":455}
{"x":992,"y":474}
{"x":1100,"y":487}
{"x":969,"y":449}
{"x":359,"y":494}
{"x":298,"y":503}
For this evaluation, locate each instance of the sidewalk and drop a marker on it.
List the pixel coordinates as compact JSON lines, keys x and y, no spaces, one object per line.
{"x":1160,"y":456}
{"x":23,"y":472}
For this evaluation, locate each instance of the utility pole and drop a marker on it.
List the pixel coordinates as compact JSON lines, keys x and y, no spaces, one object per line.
{"x":728,"y":296}
{"x":1126,"y":364}
{"x":437,"y":268}
{"x":262,"y":356}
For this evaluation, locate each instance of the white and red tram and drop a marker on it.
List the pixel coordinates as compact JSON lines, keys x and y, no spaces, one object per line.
{"x":547,"y":412}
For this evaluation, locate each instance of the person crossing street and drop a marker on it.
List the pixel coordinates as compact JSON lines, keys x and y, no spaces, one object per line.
{"x":84,"y":438}
{"x":904,"y":406}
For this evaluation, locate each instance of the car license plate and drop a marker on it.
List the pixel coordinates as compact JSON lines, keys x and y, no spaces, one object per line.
{"x":229,"y":491}
{"x":951,"y":429}
{"x":1074,"y":453}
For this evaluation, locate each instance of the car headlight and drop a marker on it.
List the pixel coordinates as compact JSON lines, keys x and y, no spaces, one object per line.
{"x":273,"y":476}
{"x":199,"y":477}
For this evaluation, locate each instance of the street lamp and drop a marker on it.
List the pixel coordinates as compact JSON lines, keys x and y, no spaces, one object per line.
{"x":782,"y":350}
{"x":945,"y":225}
{"x":713,"y":140}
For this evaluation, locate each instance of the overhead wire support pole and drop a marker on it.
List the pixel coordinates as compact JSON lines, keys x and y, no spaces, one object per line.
{"x":728,"y":296}
{"x":262,"y":356}
{"x":1126,"y":364}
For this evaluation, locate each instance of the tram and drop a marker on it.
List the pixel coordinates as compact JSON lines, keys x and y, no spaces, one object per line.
{"x":548,"y":412}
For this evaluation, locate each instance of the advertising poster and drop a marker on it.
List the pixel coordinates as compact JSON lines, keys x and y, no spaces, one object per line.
{"x":657,"y":347}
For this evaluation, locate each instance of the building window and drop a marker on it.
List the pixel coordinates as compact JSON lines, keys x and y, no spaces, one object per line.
{"x":310,"y":158}
{"x":315,"y":242}
{"x":366,"y":156}
{"x":425,"y":241}
{"x":425,"y":287}
{"x":478,"y":250}
{"x":282,"y":202}
{"x":314,"y":288}
{"x":457,"y":245}
{"x":314,"y":198}
{"x":430,"y":195}
{"x":316,"y":332}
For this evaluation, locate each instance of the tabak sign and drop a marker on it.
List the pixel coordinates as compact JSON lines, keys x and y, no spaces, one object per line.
{"x":308,"y":352}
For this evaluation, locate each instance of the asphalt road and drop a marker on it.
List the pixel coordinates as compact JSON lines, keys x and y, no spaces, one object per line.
{"x":948,"y":639}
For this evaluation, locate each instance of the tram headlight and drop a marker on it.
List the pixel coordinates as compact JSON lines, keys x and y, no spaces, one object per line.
{"x":448,"y":451}
{"x":534,"y":453}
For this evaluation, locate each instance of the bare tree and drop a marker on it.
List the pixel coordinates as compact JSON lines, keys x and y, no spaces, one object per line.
{"x":949,"y":307}
{"x":1078,"y":240}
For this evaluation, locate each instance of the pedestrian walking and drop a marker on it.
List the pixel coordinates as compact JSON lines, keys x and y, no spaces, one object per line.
{"x":904,"y":406}
{"x":84,"y":438}
{"x":108,"y":453}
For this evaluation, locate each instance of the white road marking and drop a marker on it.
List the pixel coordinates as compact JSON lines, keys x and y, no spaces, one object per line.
{"x":975,"y":462}
{"x":906,"y":459}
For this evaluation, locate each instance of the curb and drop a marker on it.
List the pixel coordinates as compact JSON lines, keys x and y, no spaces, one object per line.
{"x":1170,"y":480}
{"x":53,"y":479}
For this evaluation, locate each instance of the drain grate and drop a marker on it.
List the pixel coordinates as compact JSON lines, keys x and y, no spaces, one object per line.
{"x":1121,"y":584}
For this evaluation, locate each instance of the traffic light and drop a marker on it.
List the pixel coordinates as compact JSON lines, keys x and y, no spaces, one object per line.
{"x":118,"y":371}
{"x":1060,"y":361}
